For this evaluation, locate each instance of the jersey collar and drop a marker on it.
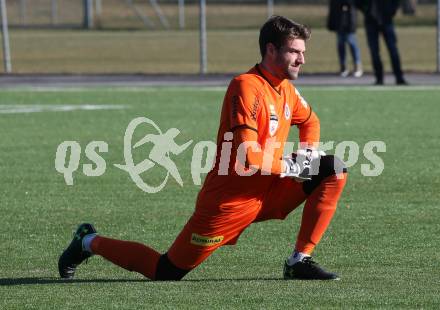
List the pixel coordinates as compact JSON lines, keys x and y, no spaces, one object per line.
{"x":270,"y":78}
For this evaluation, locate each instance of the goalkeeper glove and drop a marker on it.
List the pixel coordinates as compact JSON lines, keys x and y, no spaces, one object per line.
{"x":299,"y":166}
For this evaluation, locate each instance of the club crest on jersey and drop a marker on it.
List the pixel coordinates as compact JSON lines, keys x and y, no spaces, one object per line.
{"x":286,"y":111}
{"x":273,"y":124}
{"x":273,"y":120}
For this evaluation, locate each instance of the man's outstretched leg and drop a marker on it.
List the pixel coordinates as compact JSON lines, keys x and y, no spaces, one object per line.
{"x":129,"y":255}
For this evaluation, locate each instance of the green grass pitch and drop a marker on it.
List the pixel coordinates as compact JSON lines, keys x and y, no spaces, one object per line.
{"x":383,"y":241}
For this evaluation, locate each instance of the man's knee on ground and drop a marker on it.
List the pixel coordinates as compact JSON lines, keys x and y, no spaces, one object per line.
{"x":167,"y":271}
{"x":333,"y":165}
{"x":328,"y":165}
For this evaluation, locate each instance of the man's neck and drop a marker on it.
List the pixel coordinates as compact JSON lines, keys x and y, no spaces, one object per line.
{"x":269,"y":69}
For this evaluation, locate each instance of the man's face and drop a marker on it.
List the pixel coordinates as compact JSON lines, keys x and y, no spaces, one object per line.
{"x":288,"y":59}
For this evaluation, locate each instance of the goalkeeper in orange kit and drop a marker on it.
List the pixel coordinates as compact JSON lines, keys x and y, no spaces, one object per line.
{"x":251,"y":183}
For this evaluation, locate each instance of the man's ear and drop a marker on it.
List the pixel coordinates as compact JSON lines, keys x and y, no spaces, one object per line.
{"x":271,"y":50}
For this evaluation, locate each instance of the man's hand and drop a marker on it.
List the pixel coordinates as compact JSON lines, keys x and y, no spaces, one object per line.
{"x":299,"y":165}
{"x":296,"y":171}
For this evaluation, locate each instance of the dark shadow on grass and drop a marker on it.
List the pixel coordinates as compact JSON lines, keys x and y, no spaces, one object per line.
{"x":233,"y":279}
{"x":39,"y":280}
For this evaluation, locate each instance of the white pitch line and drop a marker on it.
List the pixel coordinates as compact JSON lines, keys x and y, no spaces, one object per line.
{"x":147,"y":88}
{"x":370,"y":88}
{"x":201,"y":88}
{"x":36,"y":108}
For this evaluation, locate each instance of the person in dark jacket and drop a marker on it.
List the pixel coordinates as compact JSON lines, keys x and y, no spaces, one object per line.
{"x":342,"y":20}
{"x":379,"y":16}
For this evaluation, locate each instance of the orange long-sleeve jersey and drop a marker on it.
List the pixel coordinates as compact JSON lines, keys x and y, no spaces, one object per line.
{"x":258,"y":111}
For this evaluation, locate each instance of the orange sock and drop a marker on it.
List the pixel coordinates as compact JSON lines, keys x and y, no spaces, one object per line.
{"x":132,"y":256}
{"x":318,"y":212}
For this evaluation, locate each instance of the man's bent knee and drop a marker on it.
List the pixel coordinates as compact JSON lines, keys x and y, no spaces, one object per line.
{"x":167,"y":271}
{"x":328,"y":165}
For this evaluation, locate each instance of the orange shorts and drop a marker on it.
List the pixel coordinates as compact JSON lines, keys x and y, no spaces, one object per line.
{"x":213,"y":225}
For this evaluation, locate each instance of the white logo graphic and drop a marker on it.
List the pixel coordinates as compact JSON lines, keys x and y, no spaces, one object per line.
{"x":160,"y":146}
{"x":163,"y":145}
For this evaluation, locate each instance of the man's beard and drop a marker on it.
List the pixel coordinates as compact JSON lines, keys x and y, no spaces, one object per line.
{"x":292,"y":75}
{"x":288,"y":71}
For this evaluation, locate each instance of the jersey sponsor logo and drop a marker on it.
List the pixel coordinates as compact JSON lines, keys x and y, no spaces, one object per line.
{"x":254,"y":110}
{"x":205,"y":241}
{"x":234,"y":106}
{"x":286,"y":111}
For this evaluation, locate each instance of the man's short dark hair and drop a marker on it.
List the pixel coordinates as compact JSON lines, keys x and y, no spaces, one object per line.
{"x":278,"y":29}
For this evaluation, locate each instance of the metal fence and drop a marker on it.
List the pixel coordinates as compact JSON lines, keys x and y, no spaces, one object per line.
{"x":48,"y":35}
{"x":174,"y":14}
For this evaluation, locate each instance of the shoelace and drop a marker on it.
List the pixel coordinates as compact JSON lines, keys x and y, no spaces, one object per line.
{"x":309,"y":261}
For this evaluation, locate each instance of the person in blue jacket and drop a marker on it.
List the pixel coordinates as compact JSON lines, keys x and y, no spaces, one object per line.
{"x":342,"y":19}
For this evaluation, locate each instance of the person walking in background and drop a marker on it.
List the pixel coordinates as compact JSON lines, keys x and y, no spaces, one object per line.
{"x":342,"y":19}
{"x":379,"y":16}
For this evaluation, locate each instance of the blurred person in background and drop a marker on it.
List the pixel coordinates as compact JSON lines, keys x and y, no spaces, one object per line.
{"x":379,"y":16}
{"x":409,"y":7}
{"x":342,"y":19}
